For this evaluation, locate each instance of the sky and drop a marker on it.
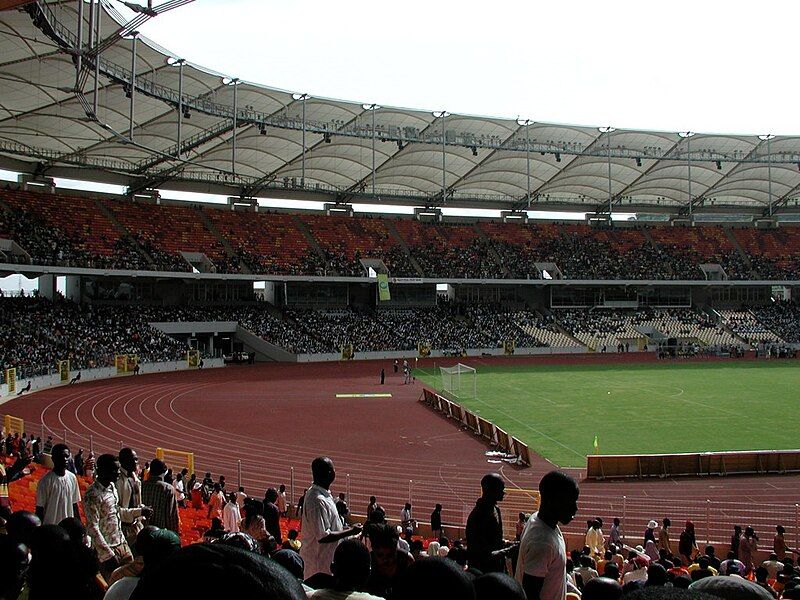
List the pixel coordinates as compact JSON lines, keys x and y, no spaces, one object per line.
{"x":704,"y":66}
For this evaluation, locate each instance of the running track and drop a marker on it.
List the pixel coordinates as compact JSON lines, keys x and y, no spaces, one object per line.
{"x":275,"y":418}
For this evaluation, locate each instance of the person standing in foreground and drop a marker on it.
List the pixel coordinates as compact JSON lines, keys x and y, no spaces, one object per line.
{"x":541,"y":567}
{"x":104,"y":516}
{"x":485,"y":544}
{"x":57,"y":494}
{"x":320,"y":523}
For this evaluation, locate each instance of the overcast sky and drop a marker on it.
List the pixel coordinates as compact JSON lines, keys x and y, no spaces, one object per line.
{"x":705,"y":66}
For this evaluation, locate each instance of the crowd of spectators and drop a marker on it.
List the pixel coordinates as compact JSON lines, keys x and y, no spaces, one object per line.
{"x":579,"y":254}
{"x":504,"y":324}
{"x":470,"y":261}
{"x":36,"y":333}
{"x":128,"y":542}
{"x":783,"y":318}
{"x":440,"y":327}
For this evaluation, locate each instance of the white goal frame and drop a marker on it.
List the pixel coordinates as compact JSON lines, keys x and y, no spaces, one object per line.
{"x":460,"y":381}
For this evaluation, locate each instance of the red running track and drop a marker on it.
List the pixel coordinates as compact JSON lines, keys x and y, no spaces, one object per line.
{"x":277,"y":417}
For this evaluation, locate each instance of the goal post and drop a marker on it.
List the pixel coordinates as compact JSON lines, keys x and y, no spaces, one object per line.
{"x":460,"y":381}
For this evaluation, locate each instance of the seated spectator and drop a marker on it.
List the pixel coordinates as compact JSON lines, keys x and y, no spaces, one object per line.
{"x":216,"y":531}
{"x":772,"y":565}
{"x":351,"y":571}
{"x":730,"y":588}
{"x":586,"y":571}
{"x":731,"y":561}
{"x":216,"y":571}
{"x":638,"y":571}
{"x":153,"y":547}
{"x":389,"y":563}
{"x":703,"y":569}
{"x":434,"y":579}
{"x":762,"y":575}
{"x":62,"y":569}
{"x":602,"y":588}
{"x":498,"y":586}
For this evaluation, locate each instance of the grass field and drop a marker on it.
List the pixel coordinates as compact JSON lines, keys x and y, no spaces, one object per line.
{"x":649,"y":408}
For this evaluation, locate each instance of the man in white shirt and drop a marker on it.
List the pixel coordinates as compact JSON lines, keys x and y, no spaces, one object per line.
{"x":541,"y":566}
{"x":231,"y":517}
{"x":241,"y":496}
{"x":57,"y":494}
{"x":320,"y":523}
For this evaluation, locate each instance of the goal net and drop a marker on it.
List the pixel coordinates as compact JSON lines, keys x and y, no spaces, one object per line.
{"x":460,"y":381}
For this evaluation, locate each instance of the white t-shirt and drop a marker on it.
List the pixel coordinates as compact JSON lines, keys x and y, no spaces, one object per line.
{"x":57,"y":495}
{"x":231,"y":517}
{"x":543,"y":554}
{"x":320,"y":518}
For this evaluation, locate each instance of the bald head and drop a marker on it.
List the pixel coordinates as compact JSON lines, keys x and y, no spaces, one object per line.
{"x":322,"y":471}
{"x":493,"y":487}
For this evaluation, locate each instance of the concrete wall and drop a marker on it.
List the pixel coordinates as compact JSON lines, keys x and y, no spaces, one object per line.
{"x":48,"y":381}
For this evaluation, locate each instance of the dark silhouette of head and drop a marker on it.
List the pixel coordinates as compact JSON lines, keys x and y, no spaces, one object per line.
{"x":498,"y":586}
{"x":434,"y":579}
{"x":107,"y":470}
{"x":602,"y":588}
{"x":21,"y":525}
{"x":157,"y":468}
{"x":129,"y":460}
{"x":351,"y":565}
{"x":214,"y":570}
{"x":323,"y":472}
{"x":559,"y":497}
{"x":493,"y":487}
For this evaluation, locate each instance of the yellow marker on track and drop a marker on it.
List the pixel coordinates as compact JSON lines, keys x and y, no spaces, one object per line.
{"x":363,"y":395}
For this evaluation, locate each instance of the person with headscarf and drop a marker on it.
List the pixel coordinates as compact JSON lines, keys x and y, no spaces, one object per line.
{"x":687,"y":543}
{"x":651,"y":550}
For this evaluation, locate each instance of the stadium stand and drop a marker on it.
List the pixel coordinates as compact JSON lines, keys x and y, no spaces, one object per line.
{"x":36,"y":333}
{"x":119,"y":234}
{"x":783,"y":318}
{"x":748,"y":327}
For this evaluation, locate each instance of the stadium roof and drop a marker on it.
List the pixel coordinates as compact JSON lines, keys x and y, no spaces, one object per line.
{"x":223,"y":135}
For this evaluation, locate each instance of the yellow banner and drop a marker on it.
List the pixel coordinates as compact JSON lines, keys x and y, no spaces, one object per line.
{"x":11,"y":380}
{"x":348,"y":352}
{"x":121,"y":362}
{"x":63,"y":370}
{"x":193,"y":358}
{"x":423,"y":349}
{"x":509,"y":346}
{"x":383,"y":287}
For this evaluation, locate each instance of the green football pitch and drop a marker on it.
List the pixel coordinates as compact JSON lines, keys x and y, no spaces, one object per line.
{"x":649,"y":408}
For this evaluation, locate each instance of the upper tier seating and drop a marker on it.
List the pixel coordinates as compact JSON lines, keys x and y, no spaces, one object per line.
{"x":74,"y":230}
{"x":271,"y":242}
